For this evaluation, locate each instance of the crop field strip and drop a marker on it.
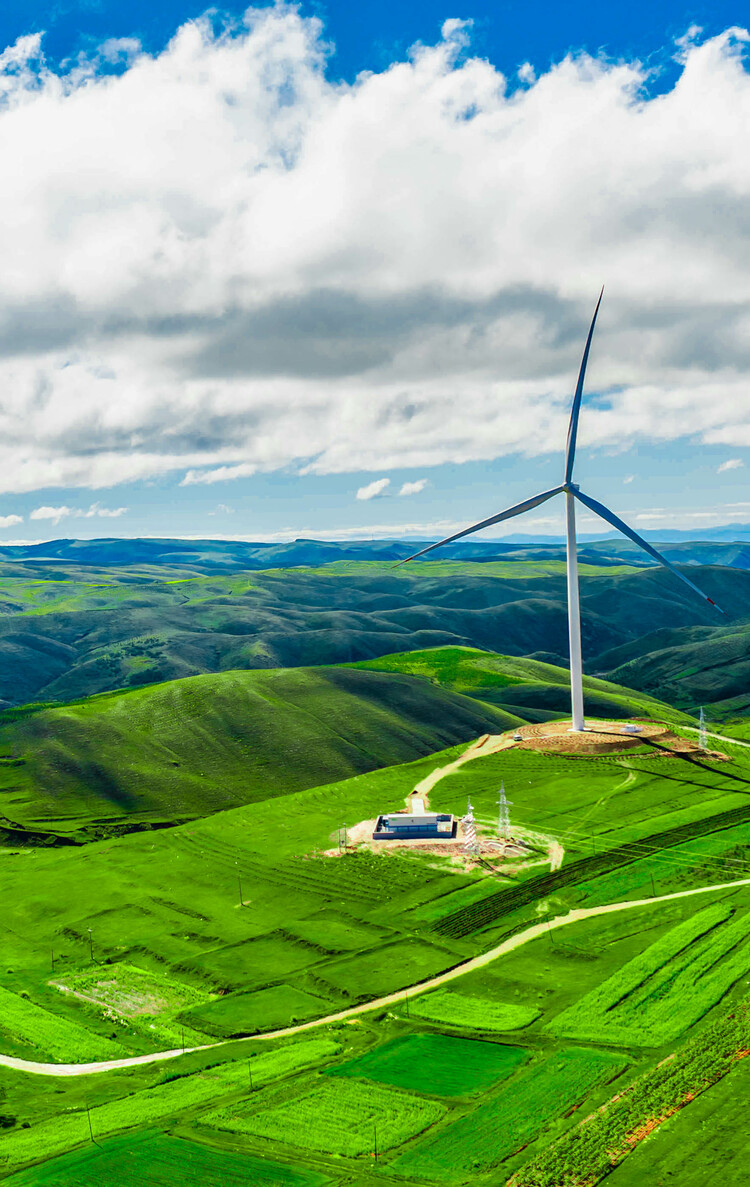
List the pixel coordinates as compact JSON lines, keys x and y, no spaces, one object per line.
{"x":666,"y":989}
{"x":42,"y":1030}
{"x":436,"y":1065}
{"x":709,"y":1137}
{"x":461,"y":1011}
{"x":155,"y":1160}
{"x":479,"y":915}
{"x":345,"y":1117}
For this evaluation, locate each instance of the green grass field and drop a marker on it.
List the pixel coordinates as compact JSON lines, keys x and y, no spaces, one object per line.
{"x":436,"y":1064}
{"x":235,"y":924}
{"x":156,"y":1160}
{"x":343,"y":1117}
{"x":527,"y":687}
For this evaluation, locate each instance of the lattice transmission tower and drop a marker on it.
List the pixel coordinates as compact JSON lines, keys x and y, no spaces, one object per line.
{"x":471,"y":844}
{"x":503,"y":816}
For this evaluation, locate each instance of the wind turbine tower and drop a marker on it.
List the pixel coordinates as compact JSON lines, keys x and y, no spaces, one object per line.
{"x":572,"y":494}
{"x":503,"y":819}
{"x":702,"y":733}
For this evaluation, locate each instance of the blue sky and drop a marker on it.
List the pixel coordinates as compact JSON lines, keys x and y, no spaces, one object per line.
{"x":243,"y":283}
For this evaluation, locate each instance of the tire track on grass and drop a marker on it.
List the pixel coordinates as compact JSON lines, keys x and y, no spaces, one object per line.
{"x":391,"y":999}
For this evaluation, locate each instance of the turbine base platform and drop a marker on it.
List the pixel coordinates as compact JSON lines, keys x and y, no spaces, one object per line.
{"x":608,"y":737}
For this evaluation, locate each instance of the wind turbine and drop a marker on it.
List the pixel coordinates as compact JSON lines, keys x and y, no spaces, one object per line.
{"x":573,"y":492}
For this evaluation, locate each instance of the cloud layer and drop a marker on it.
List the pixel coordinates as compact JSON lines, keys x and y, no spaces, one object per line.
{"x":217,"y":261}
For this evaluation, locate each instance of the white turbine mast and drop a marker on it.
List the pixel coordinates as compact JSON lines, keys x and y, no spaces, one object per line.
{"x":702,"y":731}
{"x":573,"y":492}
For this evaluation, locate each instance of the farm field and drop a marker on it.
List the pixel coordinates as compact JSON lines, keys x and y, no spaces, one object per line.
{"x":155,"y":1160}
{"x":24,"y":1022}
{"x":436,"y":1065}
{"x":459,"y":1011}
{"x":495,"y":1129}
{"x":247,"y":1013}
{"x":150,"y":1106}
{"x":339,"y":1117}
{"x":711,"y":1135}
{"x":666,"y":989}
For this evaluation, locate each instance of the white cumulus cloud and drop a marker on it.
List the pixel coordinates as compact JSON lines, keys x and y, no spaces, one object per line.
{"x":216,"y":260}
{"x":413,"y":488}
{"x":55,"y":514}
{"x":373,"y":489}
{"x":220,"y":474}
{"x":9,"y":521}
{"x":732,"y":463}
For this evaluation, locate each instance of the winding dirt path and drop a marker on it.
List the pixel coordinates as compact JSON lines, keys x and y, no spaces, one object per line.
{"x":468,"y":966}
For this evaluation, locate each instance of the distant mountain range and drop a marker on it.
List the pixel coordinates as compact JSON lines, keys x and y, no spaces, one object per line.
{"x":715,"y":547}
{"x":83,"y":626}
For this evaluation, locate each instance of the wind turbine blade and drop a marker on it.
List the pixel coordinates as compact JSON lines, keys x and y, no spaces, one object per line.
{"x":570,"y":449}
{"x":476,"y":527}
{"x":616,"y":522}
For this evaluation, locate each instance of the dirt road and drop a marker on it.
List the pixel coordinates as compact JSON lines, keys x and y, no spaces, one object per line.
{"x":391,"y":999}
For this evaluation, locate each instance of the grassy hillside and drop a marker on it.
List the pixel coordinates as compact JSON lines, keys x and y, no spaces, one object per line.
{"x":199,"y":745}
{"x":81,"y":634}
{"x":535,"y":691}
{"x":689,"y":667}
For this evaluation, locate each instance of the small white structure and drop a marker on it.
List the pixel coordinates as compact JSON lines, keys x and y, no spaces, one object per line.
{"x":471,"y":844}
{"x":631,"y":729}
{"x":702,"y":732}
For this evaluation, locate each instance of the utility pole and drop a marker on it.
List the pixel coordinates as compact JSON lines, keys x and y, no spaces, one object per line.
{"x":549,"y":929}
{"x":375,"y":1134}
{"x":91,"y":1130}
{"x":183,"y":1040}
{"x":406,"y":1000}
{"x":250,"y":1074}
{"x":239,"y":883}
{"x":653,"y":887}
{"x":91,"y":945}
{"x":52,"y":954}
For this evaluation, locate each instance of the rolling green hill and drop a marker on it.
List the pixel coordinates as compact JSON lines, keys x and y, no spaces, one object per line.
{"x":689,"y":667}
{"x":533,"y":690}
{"x":196,"y":746}
{"x":200,"y":745}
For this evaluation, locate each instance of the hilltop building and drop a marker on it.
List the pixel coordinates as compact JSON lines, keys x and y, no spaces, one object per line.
{"x":408,"y":826}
